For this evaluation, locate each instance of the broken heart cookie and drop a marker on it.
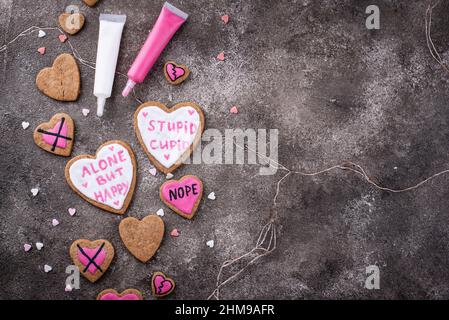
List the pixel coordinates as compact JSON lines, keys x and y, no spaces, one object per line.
{"x":71,"y":23}
{"x":169,"y":136}
{"x":62,"y":81}
{"x":91,"y":3}
{"x":161,"y":285}
{"x":128,"y":294}
{"x":57,"y":135}
{"x":142,"y":238}
{"x":182,"y":196}
{"x":176,"y":73}
{"x":106,"y":180}
{"x":92,"y":257}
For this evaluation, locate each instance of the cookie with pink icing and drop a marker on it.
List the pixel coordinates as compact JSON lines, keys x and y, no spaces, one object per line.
{"x":182,"y":196}
{"x":161,"y":285}
{"x":57,"y":135}
{"x":106,"y":180}
{"x":128,"y":294}
{"x":169,"y":136}
{"x":92,"y":257}
{"x":176,"y":73}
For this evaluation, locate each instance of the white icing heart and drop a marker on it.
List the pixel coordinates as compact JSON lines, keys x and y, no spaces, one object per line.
{"x":47,"y":268}
{"x":160,"y":212}
{"x":212,"y":196}
{"x":41,"y":34}
{"x":39,"y":245}
{"x":210,"y":243}
{"x":168,"y":135}
{"x":25,"y":125}
{"x":34,"y":191}
{"x":107,"y":179}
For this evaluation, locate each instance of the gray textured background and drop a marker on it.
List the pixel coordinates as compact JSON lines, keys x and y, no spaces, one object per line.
{"x":311,"y":69}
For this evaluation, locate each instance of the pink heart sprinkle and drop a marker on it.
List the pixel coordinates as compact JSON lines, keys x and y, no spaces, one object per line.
{"x":54,"y":222}
{"x":111,"y":148}
{"x":174,"y":233}
{"x":41,"y":50}
{"x":221,"y":56}
{"x":153,"y":172}
{"x":145,"y":114}
{"x":27,"y":247}
{"x":117,"y":202}
{"x":191,"y":112}
{"x":225,"y":19}
{"x":84,"y":184}
{"x":72,"y":211}
{"x":234,"y":110}
{"x":63,"y":38}
{"x":167,"y":156}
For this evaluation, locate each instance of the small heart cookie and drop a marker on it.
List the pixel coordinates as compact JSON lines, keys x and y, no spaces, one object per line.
{"x":57,"y":135}
{"x":71,"y":23}
{"x":182,"y":196}
{"x":176,"y":73}
{"x":142,"y":238}
{"x":128,"y":294}
{"x":161,"y":285}
{"x":92,"y":257}
{"x":62,"y":81}
{"x":168,"y":136}
{"x":91,"y":3}
{"x":106,"y":180}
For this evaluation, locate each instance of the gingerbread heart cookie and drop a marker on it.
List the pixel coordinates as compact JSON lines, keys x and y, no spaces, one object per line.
{"x":71,"y":23}
{"x":182,"y":196}
{"x":92,"y":257}
{"x":142,"y":238}
{"x":169,"y":136}
{"x":57,"y":135}
{"x":128,"y":294}
{"x":62,"y":81}
{"x":176,"y":73}
{"x":91,"y":3}
{"x":106,"y":180}
{"x":161,"y":285}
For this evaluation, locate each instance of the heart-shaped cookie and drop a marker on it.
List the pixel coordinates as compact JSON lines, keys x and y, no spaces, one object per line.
{"x":182,"y":196}
{"x":57,"y":135}
{"x":161,"y":285}
{"x":62,"y":81}
{"x":176,"y":73}
{"x":142,"y":238}
{"x":92,"y":257}
{"x":71,"y":23}
{"x":169,"y":136}
{"x":106,"y":180}
{"x":128,"y":294}
{"x":91,"y":3}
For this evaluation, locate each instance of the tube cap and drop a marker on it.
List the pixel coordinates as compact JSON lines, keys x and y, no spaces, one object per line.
{"x":129,"y":86}
{"x":100,"y":106}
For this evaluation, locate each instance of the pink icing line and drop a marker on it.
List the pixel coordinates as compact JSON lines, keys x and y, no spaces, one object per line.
{"x":113,"y":296}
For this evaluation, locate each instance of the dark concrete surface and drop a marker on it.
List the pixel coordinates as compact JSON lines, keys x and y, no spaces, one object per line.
{"x":335,"y":90}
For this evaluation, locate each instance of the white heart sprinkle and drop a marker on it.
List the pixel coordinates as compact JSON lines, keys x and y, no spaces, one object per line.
{"x":39,"y":245}
{"x":153,"y":172}
{"x":41,"y":34}
{"x":160,"y":213}
{"x":212,"y":196}
{"x":54,"y":222}
{"x":68,"y":288}
{"x":26,"y":247}
{"x":72,"y":211}
{"x":47,"y":268}
{"x":25,"y":125}
{"x":34,"y":191}
{"x":169,"y":176}
{"x":210,"y":243}
{"x":86,"y":112}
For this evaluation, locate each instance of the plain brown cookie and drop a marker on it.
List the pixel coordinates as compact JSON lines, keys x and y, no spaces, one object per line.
{"x":45,"y":128}
{"x":168,"y":68}
{"x":71,"y":23}
{"x":97,"y":244}
{"x":120,"y":295}
{"x":62,"y":81}
{"x":142,"y":238}
{"x":99,"y":204}
{"x":91,"y":3}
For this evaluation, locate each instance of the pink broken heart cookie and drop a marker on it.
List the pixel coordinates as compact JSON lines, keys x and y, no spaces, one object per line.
{"x":106,"y":180}
{"x":182,"y":196}
{"x":161,"y":285}
{"x":168,"y":136}
{"x":176,"y":73}
{"x":128,"y":294}
{"x":92,"y":257}
{"x":57,"y":135}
